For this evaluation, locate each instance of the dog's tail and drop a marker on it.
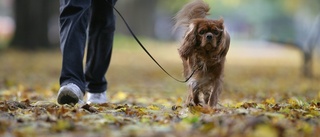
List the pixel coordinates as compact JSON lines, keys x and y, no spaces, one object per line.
{"x":192,"y":10}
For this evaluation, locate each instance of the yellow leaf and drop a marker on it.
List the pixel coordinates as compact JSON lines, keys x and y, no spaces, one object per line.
{"x":306,"y":128}
{"x":207,"y":127}
{"x":271,"y":101}
{"x":62,"y":125}
{"x":295,"y":102}
{"x":238,"y":105}
{"x":314,"y":113}
{"x":119,"y":96}
{"x":21,"y":87}
{"x":145,"y":119}
{"x":153,"y":107}
{"x":163,"y":102}
{"x":261,"y":106}
{"x":275,"y":115}
{"x":179,"y":101}
{"x":142,"y":100}
{"x":45,"y":104}
{"x":265,"y":130}
{"x":109,"y":118}
{"x":292,"y":101}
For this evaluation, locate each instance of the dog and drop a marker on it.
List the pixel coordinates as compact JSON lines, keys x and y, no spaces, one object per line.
{"x":203,"y":53}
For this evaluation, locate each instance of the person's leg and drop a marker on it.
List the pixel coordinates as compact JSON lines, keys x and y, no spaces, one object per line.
{"x":101,"y":31}
{"x":74,"y":16}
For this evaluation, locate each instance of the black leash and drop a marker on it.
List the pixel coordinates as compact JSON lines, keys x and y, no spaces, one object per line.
{"x":141,"y":45}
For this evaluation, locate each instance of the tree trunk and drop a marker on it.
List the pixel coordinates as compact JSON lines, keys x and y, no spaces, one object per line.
{"x":312,"y":42}
{"x":31,"y":17}
{"x":307,"y":65}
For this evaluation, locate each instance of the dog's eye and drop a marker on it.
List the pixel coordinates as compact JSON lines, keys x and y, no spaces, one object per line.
{"x":201,"y":32}
{"x":216,"y":32}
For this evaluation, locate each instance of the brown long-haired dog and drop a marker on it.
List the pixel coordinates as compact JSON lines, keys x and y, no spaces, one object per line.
{"x":203,"y":52}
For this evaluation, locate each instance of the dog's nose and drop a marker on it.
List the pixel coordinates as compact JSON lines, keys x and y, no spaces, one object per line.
{"x":209,"y":36}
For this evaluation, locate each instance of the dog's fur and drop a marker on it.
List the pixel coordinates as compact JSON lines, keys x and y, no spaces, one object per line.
{"x":204,"y":49}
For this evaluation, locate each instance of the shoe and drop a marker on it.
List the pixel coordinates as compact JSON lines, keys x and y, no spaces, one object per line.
{"x":69,"y":94}
{"x":96,"y":98}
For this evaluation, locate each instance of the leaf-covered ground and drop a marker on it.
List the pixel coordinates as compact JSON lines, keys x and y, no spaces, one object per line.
{"x":264,"y":95}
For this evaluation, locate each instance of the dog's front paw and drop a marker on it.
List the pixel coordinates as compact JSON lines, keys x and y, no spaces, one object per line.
{"x":190,"y":104}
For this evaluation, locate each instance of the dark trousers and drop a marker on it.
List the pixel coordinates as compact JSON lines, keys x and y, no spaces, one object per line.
{"x":80,"y":19}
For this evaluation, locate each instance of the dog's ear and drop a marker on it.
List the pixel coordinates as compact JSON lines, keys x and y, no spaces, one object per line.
{"x":221,"y":24}
{"x":190,"y":40}
{"x":226,"y":44}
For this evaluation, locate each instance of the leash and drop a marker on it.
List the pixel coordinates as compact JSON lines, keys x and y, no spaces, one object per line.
{"x":146,"y":51}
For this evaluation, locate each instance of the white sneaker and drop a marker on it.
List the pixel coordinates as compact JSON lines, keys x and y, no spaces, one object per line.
{"x":69,"y":94}
{"x":96,"y":98}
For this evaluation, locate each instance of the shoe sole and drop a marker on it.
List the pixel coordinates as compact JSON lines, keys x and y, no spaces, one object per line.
{"x":67,"y":97}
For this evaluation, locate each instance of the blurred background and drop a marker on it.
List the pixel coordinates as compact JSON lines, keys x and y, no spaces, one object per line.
{"x":277,"y":32}
{"x":33,"y":24}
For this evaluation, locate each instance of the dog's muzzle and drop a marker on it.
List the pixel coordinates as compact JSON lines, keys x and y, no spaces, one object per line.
{"x":209,"y":36}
